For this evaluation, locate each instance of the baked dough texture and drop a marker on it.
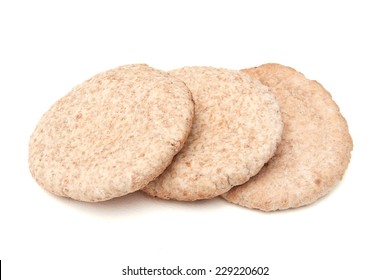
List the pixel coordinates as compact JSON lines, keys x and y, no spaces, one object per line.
{"x":112,"y":134}
{"x":236,"y":129}
{"x":315,"y":149}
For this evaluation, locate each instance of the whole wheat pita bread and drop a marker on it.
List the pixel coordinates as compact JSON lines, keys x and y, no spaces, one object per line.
{"x":236,"y":128}
{"x":315,"y":149}
{"x":112,"y":134}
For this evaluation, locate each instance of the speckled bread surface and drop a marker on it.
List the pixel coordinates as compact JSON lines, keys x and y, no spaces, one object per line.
{"x":315,"y":149}
{"x":236,"y":129}
{"x":112,"y":134}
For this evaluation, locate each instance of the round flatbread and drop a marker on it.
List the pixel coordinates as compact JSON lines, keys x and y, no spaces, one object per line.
{"x":315,"y":149}
{"x":236,"y":129}
{"x":112,"y":134}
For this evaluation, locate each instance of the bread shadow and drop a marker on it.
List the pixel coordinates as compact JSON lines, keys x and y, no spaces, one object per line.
{"x":139,"y":203}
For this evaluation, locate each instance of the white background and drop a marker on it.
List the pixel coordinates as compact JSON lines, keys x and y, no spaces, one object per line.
{"x":47,"y":47}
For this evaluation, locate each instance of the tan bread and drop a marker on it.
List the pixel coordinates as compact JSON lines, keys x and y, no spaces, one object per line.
{"x":236,"y":129}
{"x":112,"y":134}
{"x":315,"y":149}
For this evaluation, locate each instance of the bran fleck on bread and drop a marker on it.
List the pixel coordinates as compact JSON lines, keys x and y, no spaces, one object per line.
{"x":236,"y":129}
{"x":112,"y":134}
{"x":315,"y":149}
